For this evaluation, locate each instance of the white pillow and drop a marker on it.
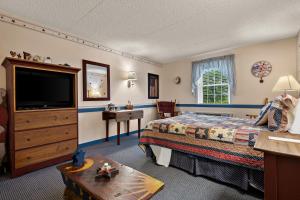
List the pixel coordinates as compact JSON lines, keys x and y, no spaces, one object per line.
{"x":294,"y":117}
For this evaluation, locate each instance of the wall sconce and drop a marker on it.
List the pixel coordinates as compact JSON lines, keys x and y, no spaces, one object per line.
{"x":131,"y":78}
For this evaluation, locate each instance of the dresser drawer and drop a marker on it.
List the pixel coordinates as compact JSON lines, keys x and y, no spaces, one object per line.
{"x":136,"y":114}
{"x":122,"y":116}
{"x":40,"y":119}
{"x":36,"y":137}
{"x":35,"y":155}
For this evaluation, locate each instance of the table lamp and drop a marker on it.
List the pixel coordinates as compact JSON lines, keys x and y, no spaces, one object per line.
{"x":286,"y":83}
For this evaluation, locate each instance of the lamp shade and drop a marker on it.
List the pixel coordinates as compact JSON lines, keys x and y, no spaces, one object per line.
{"x":132,"y":76}
{"x":286,"y":83}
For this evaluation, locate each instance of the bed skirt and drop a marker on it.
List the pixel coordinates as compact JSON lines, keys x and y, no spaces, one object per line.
{"x":241,"y":177}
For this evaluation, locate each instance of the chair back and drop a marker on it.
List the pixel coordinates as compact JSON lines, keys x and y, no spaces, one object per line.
{"x":166,"y":107}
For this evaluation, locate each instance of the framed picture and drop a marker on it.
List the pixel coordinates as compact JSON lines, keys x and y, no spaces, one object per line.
{"x":153,"y":86}
{"x":96,"y":81}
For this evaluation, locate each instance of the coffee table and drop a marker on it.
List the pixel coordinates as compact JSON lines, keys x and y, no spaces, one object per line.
{"x":81,"y":183}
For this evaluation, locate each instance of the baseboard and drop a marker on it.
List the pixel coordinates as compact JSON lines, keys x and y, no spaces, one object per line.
{"x":99,"y":141}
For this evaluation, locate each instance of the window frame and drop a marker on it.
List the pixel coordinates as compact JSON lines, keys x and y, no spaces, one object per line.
{"x":201,"y":86}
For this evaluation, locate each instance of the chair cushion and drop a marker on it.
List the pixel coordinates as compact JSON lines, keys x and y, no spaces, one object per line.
{"x":167,"y":115}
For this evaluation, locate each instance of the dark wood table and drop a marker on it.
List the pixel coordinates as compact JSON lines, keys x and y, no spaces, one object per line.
{"x":281,"y":165}
{"x":122,"y":115}
{"x":128,"y":184}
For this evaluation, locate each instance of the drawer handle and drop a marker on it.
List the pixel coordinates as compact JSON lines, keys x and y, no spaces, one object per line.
{"x":55,"y":118}
{"x":67,"y":148}
{"x":66,"y":132}
{"x":28,"y":139}
{"x":27,"y":121}
{"x":28,"y":157}
{"x":66,"y":117}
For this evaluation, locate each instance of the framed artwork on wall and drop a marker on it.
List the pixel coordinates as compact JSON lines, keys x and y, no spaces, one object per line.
{"x":153,"y":86}
{"x":96,"y":81}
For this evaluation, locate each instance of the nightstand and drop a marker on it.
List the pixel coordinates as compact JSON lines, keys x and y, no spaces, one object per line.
{"x":281,"y":165}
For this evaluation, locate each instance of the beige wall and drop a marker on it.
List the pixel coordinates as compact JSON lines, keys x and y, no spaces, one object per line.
{"x":281,"y":54}
{"x":91,"y":126}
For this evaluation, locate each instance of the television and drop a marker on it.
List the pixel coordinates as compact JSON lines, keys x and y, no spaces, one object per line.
{"x":40,"y":89}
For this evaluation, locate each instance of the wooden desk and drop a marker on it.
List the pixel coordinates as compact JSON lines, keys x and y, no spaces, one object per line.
{"x":122,"y":115}
{"x":129,"y":184}
{"x":281,"y":166}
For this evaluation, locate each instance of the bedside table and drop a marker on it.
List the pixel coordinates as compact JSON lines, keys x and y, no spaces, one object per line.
{"x":281,"y":165}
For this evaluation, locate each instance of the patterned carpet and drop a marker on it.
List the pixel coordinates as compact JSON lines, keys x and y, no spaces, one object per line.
{"x":46,"y":184}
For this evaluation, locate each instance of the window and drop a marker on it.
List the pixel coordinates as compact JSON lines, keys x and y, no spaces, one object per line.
{"x":213,"y":88}
{"x":213,"y":80}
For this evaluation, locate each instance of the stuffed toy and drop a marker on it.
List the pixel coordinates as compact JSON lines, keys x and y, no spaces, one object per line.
{"x":3,"y":123}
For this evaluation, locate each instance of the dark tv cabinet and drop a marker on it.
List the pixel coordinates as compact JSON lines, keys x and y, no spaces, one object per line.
{"x":39,"y":138}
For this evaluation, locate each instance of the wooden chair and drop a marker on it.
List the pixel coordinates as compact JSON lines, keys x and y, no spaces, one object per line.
{"x":166,"y":109}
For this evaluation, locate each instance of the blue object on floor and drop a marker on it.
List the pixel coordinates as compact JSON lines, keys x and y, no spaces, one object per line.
{"x":78,"y":158}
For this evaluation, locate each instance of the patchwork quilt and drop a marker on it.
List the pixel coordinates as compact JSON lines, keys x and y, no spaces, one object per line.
{"x":221,"y":138}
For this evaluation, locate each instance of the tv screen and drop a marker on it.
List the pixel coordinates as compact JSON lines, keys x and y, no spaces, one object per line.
{"x":39,"y":89}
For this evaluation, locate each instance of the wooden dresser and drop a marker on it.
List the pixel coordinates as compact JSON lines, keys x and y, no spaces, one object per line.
{"x":41,"y":137}
{"x":281,"y":165}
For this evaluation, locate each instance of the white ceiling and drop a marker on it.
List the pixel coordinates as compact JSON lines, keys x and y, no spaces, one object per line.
{"x":164,"y":30}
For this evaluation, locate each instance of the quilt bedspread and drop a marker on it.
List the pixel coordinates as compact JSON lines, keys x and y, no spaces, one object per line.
{"x":220,"y":138}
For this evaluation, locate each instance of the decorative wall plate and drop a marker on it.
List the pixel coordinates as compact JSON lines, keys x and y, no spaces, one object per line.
{"x":261,"y":69}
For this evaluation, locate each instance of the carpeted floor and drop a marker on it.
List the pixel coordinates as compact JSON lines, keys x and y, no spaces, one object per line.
{"x":47,"y":183}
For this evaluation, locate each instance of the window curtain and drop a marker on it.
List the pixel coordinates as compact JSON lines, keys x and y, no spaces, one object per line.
{"x":225,"y":64}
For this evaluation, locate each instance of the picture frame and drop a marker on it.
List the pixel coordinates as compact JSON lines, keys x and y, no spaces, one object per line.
{"x":96,"y":81}
{"x":153,"y":86}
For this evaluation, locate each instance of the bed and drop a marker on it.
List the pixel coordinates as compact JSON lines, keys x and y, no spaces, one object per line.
{"x":218,"y":147}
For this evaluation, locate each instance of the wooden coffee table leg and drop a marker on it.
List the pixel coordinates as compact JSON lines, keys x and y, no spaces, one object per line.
{"x":107,"y":130}
{"x":118,"y":131}
{"x":70,"y":195}
{"x":139,"y":128}
{"x":128,"y":127}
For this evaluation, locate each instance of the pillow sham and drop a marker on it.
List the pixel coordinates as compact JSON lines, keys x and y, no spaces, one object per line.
{"x":262,"y":119}
{"x":281,"y":115}
{"x":277,"y":119}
